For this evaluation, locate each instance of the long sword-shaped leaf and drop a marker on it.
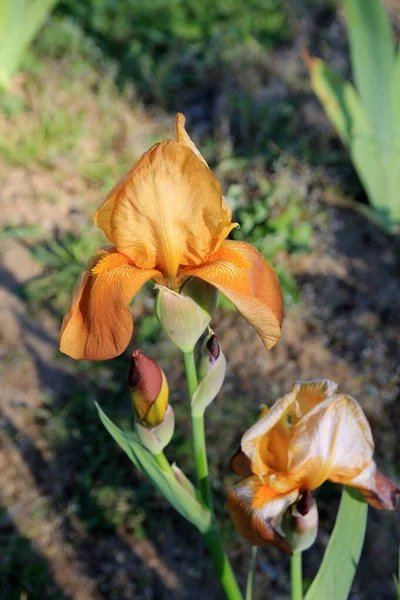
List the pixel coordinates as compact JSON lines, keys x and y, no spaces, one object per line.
{"x":165,"y":483}
{"x":336,"y":573}
{"x":344,"y":108}
{"x":20,"y":21}
{"x":394,"y":165}
{"x":372,"y":58}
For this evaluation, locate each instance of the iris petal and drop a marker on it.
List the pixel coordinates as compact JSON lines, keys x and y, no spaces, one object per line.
{"x":256,"y":511}
{"x":166,"y":212}
{"x":241,"y":273}
{"x":98,"y":324}
{"x":332,"y":441}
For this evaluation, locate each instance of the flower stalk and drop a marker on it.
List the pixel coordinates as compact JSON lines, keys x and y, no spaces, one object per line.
{"x":163,"y":463}
{"x":212,"y":537}
{"x":199,"y":440}
{"x":296,"y":576}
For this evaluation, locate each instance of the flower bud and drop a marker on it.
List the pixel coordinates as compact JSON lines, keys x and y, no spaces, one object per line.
{"x":211,"y":370}
{"x":155,"y":439}
{"x":300,"y":523}
{"x":149,"y":389}
{"x":186,"y":315}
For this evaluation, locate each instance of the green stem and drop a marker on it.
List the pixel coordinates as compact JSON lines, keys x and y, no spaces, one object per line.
{"x":200,"y":455}
{"x":221,"y":562}
{"x":212,"y":537}
{"x":191,"y":373}
{"x":296,"y":576}
{"x":250,"y":577}
{"x":199,"y":439}
{"x":163,"y":463}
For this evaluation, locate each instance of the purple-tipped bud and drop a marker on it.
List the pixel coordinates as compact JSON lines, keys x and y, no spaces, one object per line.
{"x":213,"y":346}
{"x":211,"y":371}
{"x":149,"y":389}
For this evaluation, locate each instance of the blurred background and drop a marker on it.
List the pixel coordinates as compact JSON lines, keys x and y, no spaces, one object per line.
{"x":95,"y":84}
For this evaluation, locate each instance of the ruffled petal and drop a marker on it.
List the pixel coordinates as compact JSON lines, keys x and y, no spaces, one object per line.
{"x":332,"y":441}
{"x":266,"y":443}
{"x":241,"y":273}
{"x":310,"y":393}
{"x":98,"y":324}
{"x":256,"y":511}
{"x":379,"y":491}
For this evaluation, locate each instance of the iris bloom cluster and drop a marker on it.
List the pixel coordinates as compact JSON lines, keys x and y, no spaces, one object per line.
{"x":167,"y":221}
{"x":311,"y":435}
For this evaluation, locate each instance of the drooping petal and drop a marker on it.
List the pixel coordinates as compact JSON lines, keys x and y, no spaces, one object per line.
{"x":98,"y":324}
{"x":256,"y":511}
{"x":241,"y":273}
{"x":166,"y":212}
{"x":379,"y":491}
{"x":332,"y":441}
{"x":241,"y":465}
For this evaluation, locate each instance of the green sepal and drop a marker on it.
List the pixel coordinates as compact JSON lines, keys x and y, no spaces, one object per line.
{"x":336,"y":573}
{"x":165,"y":483}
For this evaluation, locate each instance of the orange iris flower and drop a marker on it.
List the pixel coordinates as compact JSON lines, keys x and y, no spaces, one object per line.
{"x":311,"y":435}
{"x":167,"y":221}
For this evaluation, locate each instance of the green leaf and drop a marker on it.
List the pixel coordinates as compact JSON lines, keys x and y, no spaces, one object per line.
{"x":163,"y":481}
{"x":372,"y":57}
{"x":20,"y":21}
{"x":336,"y":573}
{"x":344,"y":108}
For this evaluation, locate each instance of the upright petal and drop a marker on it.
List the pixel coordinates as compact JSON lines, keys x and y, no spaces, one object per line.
{"x":241,"y":273}
{"x":266,"y":443}
{"x":98,"y":324}
{"x":333,"y":441}
{"x":102,"y":217}
{"x":166,"y":212}
{"x":182,"y":136}
{"x":257,"y":510}
{"x":310,"y":393}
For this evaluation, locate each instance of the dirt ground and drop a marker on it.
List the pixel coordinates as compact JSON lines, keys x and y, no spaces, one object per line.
{"x":346,"y":328}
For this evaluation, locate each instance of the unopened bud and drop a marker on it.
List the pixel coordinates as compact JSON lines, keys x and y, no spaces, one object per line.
{"x":155,"y":439}
{"x":186,"y":315}
{"x":300,"y":523}
{"x":209,"y":354}
{"x":149,"y":389}
{"x":211,"y":370}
